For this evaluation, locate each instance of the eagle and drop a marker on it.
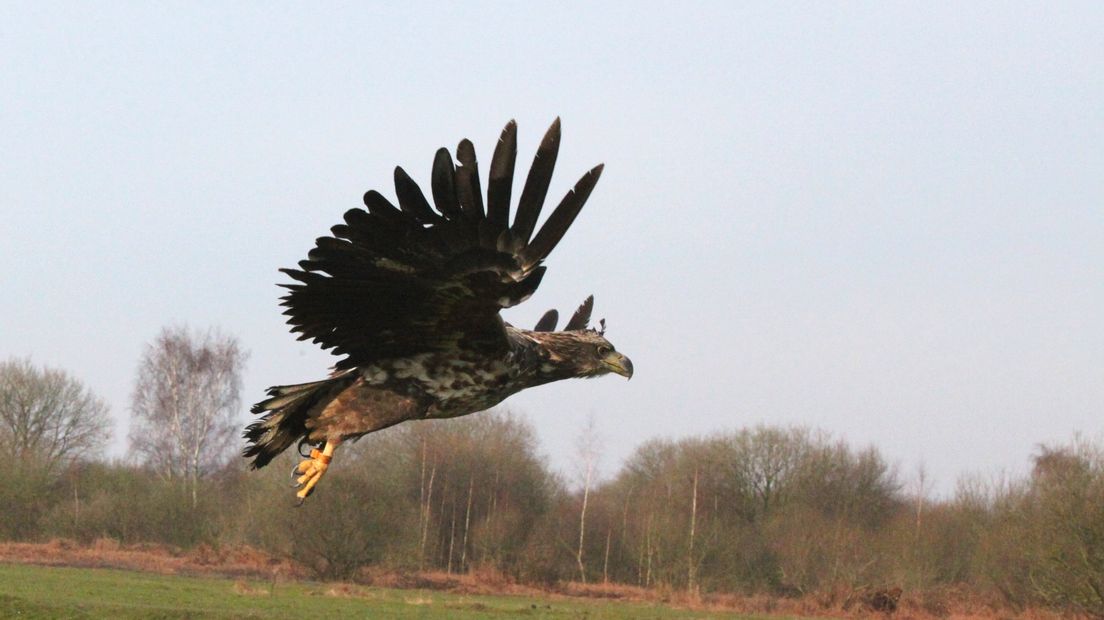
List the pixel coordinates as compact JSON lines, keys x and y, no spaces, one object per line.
{"x":410,"y":297}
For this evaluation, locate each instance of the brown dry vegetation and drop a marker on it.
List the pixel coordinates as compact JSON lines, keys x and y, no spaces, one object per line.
{"x":248,"y":563}
{"x":152,"y":557}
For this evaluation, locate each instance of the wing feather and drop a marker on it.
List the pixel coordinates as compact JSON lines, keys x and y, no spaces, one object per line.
{"x":411,"y":199}
{"x":467,"y":181}
{"x":501,"y":179}
{"x":581,"y":318}
{"x":398,"y":281}
{"x":444,"y":184}
{"x":536,"y":184}
{"x":547,"y":323}
{"x":557,"y":224}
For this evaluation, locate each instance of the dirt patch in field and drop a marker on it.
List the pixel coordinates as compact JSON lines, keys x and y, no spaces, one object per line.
{"x":106,"y":553}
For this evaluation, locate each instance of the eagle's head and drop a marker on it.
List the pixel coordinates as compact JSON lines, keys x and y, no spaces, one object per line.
{"x":582,"y":353}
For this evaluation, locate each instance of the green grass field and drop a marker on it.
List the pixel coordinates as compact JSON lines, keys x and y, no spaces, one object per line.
{"x":36,"y":592}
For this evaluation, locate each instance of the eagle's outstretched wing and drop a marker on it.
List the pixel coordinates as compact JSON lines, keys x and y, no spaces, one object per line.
{"x":393,"y":282}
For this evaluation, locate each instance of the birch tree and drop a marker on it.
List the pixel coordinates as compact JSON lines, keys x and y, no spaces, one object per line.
{"x":48,"y":419}
{"x":589,"y":449}
{"x":186,"y":400}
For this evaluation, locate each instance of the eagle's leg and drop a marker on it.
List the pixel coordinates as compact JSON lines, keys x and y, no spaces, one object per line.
{"x":313,"y":468}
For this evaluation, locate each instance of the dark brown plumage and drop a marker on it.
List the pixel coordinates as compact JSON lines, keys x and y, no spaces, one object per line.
{"x":410,"y":296}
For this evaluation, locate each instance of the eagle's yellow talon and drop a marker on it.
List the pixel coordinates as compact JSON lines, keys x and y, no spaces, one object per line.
{"x":312,"y":469}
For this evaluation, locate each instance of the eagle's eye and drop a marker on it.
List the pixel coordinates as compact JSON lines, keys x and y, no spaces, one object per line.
{"x":603,"y":350}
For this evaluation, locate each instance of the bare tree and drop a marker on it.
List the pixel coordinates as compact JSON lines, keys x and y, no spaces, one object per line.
{"x":185,"y":404}
{"x":768,"y":458}
{"x":691,"y":584}
{"x":426,"y":499}
{"x":48,"y":418}
{"x":922,"y":485}
{"x":589,"y":449}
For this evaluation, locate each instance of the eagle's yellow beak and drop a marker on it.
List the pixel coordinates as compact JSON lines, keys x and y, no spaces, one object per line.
{"x":619,"y":364}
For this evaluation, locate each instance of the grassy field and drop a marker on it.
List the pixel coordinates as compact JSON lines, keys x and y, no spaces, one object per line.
{"x":35,"y":592}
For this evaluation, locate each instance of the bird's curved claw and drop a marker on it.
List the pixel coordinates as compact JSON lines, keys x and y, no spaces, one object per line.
{"x":299,"y":448}
{"x":299,"y":499}
{"x":310,"y":471}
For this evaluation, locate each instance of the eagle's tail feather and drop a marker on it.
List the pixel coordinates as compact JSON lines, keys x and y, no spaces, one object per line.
{"x":284,"y":419}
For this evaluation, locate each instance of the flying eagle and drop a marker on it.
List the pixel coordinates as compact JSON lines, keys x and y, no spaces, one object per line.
{"x":410,"y":296}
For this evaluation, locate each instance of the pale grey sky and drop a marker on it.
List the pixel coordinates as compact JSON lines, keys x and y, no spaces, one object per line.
{"x":885,"y":220}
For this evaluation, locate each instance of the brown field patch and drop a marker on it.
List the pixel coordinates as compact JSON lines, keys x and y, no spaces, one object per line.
{"x":162,"y":559}
{"x":244,"y":563}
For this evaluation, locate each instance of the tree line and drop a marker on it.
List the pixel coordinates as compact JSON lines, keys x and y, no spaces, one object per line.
{"x":780,"y":511}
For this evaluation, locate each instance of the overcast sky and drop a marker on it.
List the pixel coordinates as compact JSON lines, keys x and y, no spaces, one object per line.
{"x":883,"y":220}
